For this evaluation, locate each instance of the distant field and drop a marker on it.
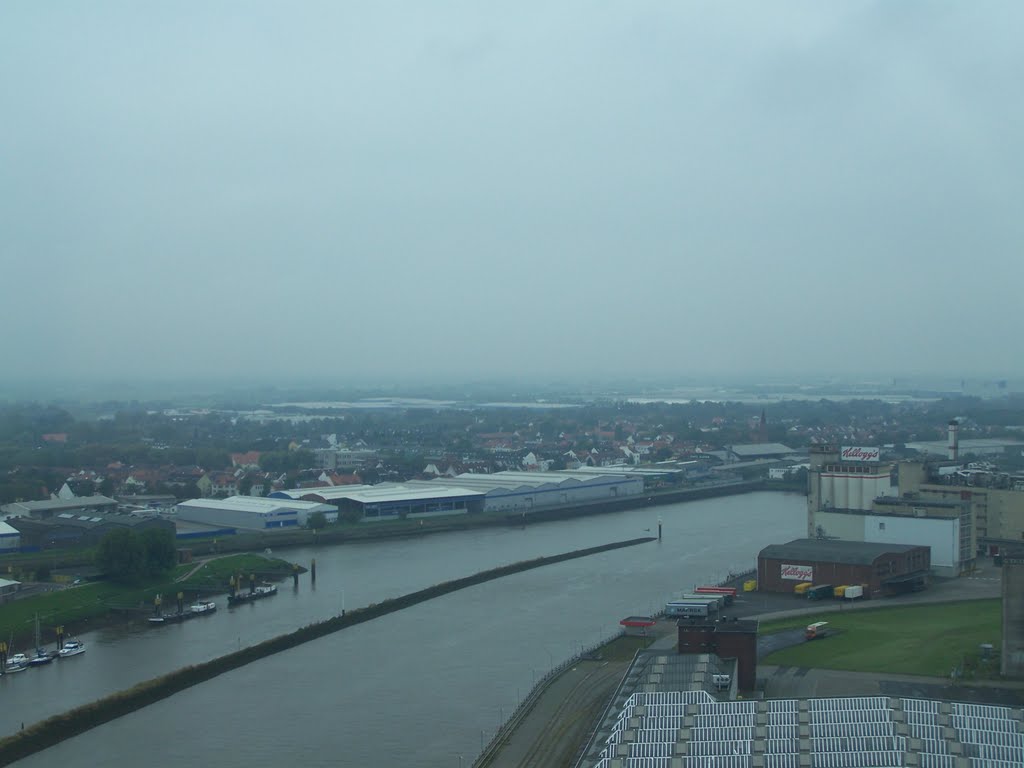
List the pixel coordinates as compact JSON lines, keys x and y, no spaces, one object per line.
{"x":912,"y":640}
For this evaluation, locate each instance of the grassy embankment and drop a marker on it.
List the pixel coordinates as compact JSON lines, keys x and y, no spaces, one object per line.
{"x":927,"y":640}
{"x":82,"y":607}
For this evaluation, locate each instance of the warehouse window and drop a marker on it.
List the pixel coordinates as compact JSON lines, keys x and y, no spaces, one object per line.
{"x":881,"y":526}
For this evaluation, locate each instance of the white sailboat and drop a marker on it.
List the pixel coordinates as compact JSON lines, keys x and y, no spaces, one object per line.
{"x":41,"y":655}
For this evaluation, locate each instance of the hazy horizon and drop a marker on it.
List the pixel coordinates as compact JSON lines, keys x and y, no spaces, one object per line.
{"x":428,"y":192}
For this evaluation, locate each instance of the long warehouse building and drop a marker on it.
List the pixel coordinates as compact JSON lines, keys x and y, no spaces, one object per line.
{"x":521,"y":492}
{"x":253,"y":512}
{"x":391,"y":501}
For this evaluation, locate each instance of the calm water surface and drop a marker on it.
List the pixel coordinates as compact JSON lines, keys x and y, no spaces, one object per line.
{"x":418,"y":687}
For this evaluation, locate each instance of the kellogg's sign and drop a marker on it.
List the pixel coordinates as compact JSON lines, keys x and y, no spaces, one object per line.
{"x":798,"y":572}
{"x":854,"y":453}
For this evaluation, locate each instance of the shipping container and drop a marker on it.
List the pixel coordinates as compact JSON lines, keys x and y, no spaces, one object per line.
{"x":679,"y":608}
{"x":717,"y":601}
{"x":802,"y":587}
{"x":820,"y":592}
{"x":839,"y":591}
{"x":729,"y":593}
{"x":750,"y":585}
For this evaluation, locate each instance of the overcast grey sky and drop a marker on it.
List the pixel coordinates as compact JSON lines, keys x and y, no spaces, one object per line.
{"x":482,"y":188}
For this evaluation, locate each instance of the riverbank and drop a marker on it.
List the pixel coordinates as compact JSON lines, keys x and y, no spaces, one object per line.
{"x":347,"y":533}
{"x":94,"y":605}
{"x":60,"y":727}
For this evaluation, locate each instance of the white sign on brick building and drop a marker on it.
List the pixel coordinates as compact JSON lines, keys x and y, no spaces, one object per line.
{"x":798,"y":572}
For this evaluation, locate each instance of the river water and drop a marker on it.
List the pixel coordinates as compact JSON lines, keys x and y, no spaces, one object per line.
{"x":422,"y":686}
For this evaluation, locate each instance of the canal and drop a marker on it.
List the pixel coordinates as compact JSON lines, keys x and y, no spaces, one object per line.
{"x":425,"y":686}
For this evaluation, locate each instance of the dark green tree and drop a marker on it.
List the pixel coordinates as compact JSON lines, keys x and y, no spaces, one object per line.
{"x":316,"y":520}
{"x":121,"y":556}
{"x":161,"y":555}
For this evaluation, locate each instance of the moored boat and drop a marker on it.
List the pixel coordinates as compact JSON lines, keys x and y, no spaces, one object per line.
{"x":40,"y":657}
{"x":202,"y":608}
{"x":71,"y":648}
{"x":257,"y":593}
{"x":17,"y":662}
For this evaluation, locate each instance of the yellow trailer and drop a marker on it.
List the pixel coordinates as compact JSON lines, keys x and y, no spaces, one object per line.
{"x":839,"y":591}
{"x":802,"y":587}
{"x":750,"y":585}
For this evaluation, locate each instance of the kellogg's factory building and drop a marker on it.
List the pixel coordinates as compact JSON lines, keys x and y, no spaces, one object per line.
{"x":883,"y":569}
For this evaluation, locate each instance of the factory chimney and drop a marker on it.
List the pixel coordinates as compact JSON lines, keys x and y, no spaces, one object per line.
{"x":954,"y":441}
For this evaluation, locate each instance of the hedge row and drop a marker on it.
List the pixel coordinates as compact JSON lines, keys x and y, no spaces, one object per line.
{"x":59,"y":727}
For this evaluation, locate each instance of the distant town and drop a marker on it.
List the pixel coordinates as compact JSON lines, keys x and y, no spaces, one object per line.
{"x":391,"y":457}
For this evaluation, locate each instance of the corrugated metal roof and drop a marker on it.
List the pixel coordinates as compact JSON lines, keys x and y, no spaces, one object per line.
{"x":263,"y":506}
{"x":385,"y":492}
{"x":80,"y":502}
{"x":832,"y":550}
{"x":760,"y":449}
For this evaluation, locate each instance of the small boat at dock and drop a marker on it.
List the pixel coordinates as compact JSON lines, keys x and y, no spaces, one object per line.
{"x":201,"y":608}
{"x":71,"y":648}
{"x":40,"y":657}
{"x":17,"y":662}
{"x":257,"y":593}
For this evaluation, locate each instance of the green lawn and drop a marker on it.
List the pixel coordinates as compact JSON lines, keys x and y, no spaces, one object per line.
{"x":913,"y":640}
{"x":215,"y":573}
{"x":75,"y":605}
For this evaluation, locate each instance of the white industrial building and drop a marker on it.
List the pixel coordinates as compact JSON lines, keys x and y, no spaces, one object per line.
{"x":851,"y":497}
{"x":390,"y":501}
{"x":521,"y":492}
{"x":10,"y":538}
{"x":508,"y":492}
{"x":253,"y":513}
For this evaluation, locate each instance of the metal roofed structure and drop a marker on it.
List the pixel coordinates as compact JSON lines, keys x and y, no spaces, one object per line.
{"x":760,"y":450}
{"x":671,"y":729}
{"x":252,"y":512}
{"x":393,"y":500}
{"x":848,"y":552}
{"x":522,"y":492}
{"x":54,"y":506}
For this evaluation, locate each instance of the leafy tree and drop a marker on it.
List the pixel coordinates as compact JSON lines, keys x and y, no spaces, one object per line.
{"x":130,"y":558}
{"x":161,"y":555}
{"x":316,"y":520}
{"x":121,"y":556}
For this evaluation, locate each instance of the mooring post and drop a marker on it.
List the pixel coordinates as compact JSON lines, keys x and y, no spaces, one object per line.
{"x":659,"y":529}
{"x":312,"y":571}
{"x":295,"y":576}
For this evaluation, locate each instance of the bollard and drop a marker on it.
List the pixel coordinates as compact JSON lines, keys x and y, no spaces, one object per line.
{"x":312,"y":571}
